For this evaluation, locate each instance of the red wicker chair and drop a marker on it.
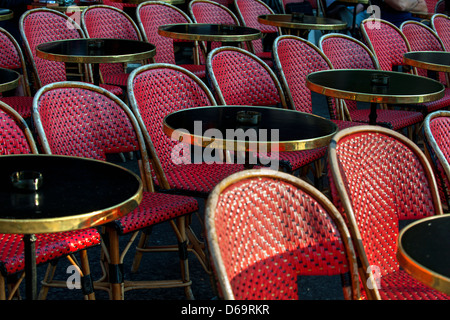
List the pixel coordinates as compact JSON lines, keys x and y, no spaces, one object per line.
{"x":345,"y":52}
{"x":389,"y":45}
{"x":16,"y":138}
{"x":441,"y":24}
{"x":378,"y":178}
{"x":44,"y":25}
{"x":248,"y":12}
{"x":79,"y":119}
{"x":436,"y":132}
{"x":150,"y":16}
{"x":287,"y":230}
{"x":102,"y":21}
{"x":239,"y":77}
{"x":11,"y":57}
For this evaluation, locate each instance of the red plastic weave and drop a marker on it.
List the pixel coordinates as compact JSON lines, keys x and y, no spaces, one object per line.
{"x":104,"y":22}
{"x":385,"y":182}
{"x":441,"y":24}
{"x":270,"y":233}
{"x":153,"y":15}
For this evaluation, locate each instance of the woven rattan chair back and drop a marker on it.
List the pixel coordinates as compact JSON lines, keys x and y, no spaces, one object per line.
{"x":38,"y":26}
{"x":104,"y":125}
{"x":266,"y":228}
{"x":239,"y":77}
{"x":156,"y":90}
{"x":295,"y":58}
{"x":422,"y":38}
{"x":102,"y":21}
{"x":248,"y":12}
{"x":386,"y":41}
{"x":153,"y":14}
{"x":436,"y":133}
{"x":441,"y":24}
{"x":15,"y":137}
{"x":379,"y":177}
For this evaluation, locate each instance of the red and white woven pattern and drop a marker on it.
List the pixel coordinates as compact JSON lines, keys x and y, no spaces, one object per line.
{"x":269,"y":233}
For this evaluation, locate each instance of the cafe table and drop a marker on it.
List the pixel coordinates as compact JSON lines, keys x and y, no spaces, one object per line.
{"x":300,"y":24}
{"x":9,"y":79}
{"x":50,"y":193}
{"x":432,"y":61}
{"x":6,"y":14}
{"x":375,"y":87}
{"x":96,"y":51}
{"x":423,"y":251}
{"x":80,"y":6}
{"x":232,"y":34}
{"x":268,"y":128}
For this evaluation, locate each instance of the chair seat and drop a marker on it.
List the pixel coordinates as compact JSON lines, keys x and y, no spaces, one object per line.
{"x":401,"y":286}
{"x":49,"y":246}
{"x":23,"y":105}
{"x":112,"y":88}
{"x":392,"y":119}
{"x":155,"y":208}
{"x":198,"y":69}
{"x":200,"y":178}
{"x":442,"y":103}
{"x":119,"y":79}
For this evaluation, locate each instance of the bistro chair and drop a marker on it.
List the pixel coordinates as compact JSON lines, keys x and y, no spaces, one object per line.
{"x":102,"y":21}
{"x":345,"y":52}
{"x":440,"y":7}
{"x":389,"y":44}
{"x":422,"y":38}
{"x":80,"y":119}
{"x":436,"y":132}
{"x":288,"y":230}
{"x":17,"y":138}
{"x":11,"y":57}
{"x":441,"y":25}
{"x":379,"y":178}
{"x":248,"y":12}
{"x":39,"y":26}
{"x":239,"y":77}
{"x":150,"y":16}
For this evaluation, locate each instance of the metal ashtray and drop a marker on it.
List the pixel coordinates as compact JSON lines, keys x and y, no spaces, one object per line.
{"x":378,"y":79}
{"x":27,"y":180}
{"x":248,"y":117}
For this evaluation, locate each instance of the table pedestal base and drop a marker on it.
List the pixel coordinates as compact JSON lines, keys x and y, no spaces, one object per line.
{"x":30,"y":266}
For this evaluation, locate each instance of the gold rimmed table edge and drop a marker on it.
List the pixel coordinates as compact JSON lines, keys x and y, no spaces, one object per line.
{"x":301,"y":25}
{"x":7,"y":16}
{"x":425,"y":65}
{"x":11,"y":84}
{"x":418,"y":271}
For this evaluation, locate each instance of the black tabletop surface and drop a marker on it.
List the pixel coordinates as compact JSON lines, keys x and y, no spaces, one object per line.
{"x":8,"y":79}
{"x":96,"y":50}
{"x":293,"y":126}
{"x":356,"y":84}
{"x":428,"y":244}
{"x":71,"y":186}
{"x":431,"y":57}
{"x":221,"y":31}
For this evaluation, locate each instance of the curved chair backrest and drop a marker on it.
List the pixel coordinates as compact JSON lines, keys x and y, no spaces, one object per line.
{"x":436,"y":132}
{"x":11,"y":57}
{"x":288,"y":228}
{"x":386,"y":41}
{"x":248,"y":12}
{"x":239,"y":77}
{"x":150,"y":16}
{"x":80,"y":119}
{"x":100,"y":21}
{"x":207,"y":11}
{"x":155,"y":90}
{"x":440,"y":7}
{"x":441,"y":24}
{"x":422,"y":38}
{"x":38,"y":26}
{"x":15,"y":135}
{"x":378,"y":178}
{"x":295,"y":58}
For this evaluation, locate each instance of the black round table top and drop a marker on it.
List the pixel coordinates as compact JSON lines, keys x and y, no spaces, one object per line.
{"x":96,"y":50}
{"x":424,"y":251}
{"x":76,"y":193}
{"x":303,"y":22}
{"x":9,"y":79}
{"x":294,"y":130}
{"x":431,"y":60}
{"x":355,"y":84}
{"x":209,"y":32}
